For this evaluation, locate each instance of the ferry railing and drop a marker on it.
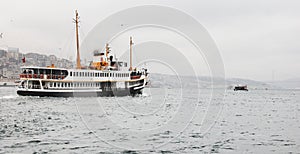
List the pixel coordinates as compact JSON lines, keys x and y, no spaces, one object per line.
{"x":41,"y":76}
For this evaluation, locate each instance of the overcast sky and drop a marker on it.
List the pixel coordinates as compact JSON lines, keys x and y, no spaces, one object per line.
{"x":255,"y":37}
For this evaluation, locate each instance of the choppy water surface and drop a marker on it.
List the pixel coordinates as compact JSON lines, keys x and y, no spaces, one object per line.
{"x":160,"y":121}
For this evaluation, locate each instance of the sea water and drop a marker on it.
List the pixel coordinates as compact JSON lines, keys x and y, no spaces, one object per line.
{"x":162,"y":120}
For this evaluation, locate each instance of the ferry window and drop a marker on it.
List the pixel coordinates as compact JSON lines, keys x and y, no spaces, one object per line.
{"x":70,"y":73}
{"x":54,"y":84}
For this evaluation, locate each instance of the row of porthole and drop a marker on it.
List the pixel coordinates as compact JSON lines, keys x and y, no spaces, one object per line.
{"x":70,"y":84}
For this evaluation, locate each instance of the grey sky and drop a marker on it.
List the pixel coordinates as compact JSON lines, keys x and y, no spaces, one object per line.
{"x":254,"y":37}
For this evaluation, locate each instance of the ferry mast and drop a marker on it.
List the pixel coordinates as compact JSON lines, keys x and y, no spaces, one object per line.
{"x":131,"y":43}
{"x":76,"y":20}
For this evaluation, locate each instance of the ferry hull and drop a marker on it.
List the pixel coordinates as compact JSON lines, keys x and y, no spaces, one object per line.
{"x":125,"y":92}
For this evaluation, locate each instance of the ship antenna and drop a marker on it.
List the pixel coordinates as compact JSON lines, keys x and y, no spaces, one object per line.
{"x":76,"y":20}
{"x":131,"y":43}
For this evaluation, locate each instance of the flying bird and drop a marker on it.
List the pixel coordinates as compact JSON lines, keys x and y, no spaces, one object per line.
{"x":1,"y":35}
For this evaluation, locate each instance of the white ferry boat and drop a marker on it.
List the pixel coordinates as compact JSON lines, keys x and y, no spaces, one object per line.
{"x":106,"y":76}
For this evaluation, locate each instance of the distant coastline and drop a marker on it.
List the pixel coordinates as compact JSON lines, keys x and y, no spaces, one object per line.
{"x":11,"y":60}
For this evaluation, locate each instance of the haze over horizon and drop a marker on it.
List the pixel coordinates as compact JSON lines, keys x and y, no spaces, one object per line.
{"x":257,"y":39}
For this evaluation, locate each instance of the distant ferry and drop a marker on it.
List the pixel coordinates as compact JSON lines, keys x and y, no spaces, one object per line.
{"x":106,"y":76}
{"x":241,"y":87}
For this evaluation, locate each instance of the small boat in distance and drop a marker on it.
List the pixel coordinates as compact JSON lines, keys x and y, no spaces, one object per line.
{"x":106,"y":76}
{"x":241,"y":87}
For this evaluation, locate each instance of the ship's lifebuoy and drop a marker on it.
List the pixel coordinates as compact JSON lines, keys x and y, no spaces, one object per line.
{"x":34,"y":75}
{"x":135,"y":77}
{"x":29,"y":76}
{"x":42,"y":76}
